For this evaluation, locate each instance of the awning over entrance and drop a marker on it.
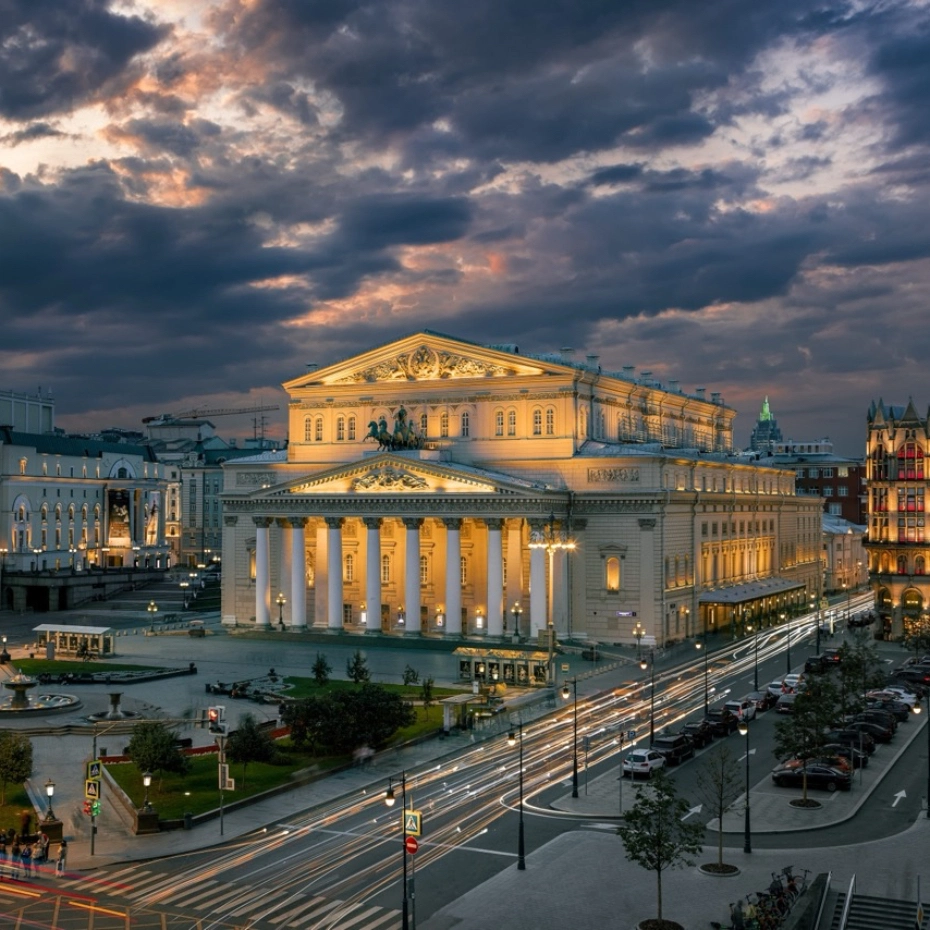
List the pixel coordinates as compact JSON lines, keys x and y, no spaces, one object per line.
{"x":750,"y":591}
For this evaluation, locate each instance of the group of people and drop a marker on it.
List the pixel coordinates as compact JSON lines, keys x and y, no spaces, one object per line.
{"x":21,"y":858}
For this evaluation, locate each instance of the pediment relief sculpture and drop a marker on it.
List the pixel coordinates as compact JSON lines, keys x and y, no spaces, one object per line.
{"x":428,"y":364}
{"x":389,"y":479}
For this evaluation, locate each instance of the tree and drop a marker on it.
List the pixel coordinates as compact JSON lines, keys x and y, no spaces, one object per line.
{"x":654,"y":833}
{"x":803,"y":732}
{"x":153,"y":749}
{"x":426,"y":695}
{"x":321,"y":670}
{"x":859,"y":670}
{"x":411,"y":676}
{"x":249,"y":743}
{"x":309,"y":721}
{"x":916,"y":634}
{"x":719,"y":785}
{"x":357,"y":668}
{"x":15,"y":760}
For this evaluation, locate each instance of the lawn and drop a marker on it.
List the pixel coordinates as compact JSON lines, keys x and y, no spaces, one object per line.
{"x":197,"y":791}
{"x":307,"y":687}
{"x":17,"y":801}
{"x":56,"y":667}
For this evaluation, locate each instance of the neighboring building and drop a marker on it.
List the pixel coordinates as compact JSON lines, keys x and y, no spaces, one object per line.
{"x":499,"y":455}
{"x":72,"y":503}
{"x":766,"y":432}
{"x":27,"y":413}
{"x":844,"y":557}
{"x":819,"y":472}
{"x":897,"y":543}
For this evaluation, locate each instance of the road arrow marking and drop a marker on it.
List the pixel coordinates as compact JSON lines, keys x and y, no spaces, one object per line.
{"x":751,"y":752}
{"x":898,"y":796}
{"x":694,"y":810}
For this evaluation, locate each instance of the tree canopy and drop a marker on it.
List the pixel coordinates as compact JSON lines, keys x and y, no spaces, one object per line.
{"x":15,"y":760}
{"x":719,"y":784}
{"x":153,"y":749}
{"x":357,"y":668}
{"x":249,"y":743}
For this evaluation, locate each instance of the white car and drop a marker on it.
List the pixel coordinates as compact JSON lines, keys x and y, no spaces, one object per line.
{"x":791,"y":682}
{"x":775,"y":688}
{"x":642,"y":762}
{"x":896,"y":694}
{"x":742,"y":709}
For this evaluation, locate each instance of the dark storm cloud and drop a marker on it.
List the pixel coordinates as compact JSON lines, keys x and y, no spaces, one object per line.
{"x":56,"y":55}
{"x":171,"y":136}
{"x":31,"y":132}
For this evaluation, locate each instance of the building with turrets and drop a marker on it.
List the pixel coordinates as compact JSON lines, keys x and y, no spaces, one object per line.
{"x":765,"y":434}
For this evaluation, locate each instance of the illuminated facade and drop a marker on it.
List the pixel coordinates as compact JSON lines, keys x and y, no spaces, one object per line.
{"x":423,"y":479}
{"x":897,"y":544}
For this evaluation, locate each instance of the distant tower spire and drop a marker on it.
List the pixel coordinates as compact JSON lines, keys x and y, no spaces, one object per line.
{"x":766,"y":433}
{"x":766,"y":413}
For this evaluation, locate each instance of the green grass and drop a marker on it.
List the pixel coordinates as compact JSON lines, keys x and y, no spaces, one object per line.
{"x":17,"y":801}
{"x":307,"y":687}
{"x":197,"y":792}
{"x":56,"y":667}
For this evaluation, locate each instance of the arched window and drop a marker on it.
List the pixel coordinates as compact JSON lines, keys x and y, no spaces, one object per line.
{"x":43,"y":513}
{"x":463,"y":570}
{"x":340,"y":429}
{"x":351,"y":429}
{"x":385,"y":569}
{"x":537,"y":422}
{"x":612,"y":573}
{"x":511,"y":422}
{"x":71,"y":511}
{"x":902,"y":565}
{"x":465,"y":423}
{"x":550,"y":421}
{"x":58,"y":513}
{"x":444,"y":425}
{"x":424,"y":571}
{"x":499,"y":423}
{"x":920,"y":566}
{"x":348,"y":572}
{"x":318,"y":429}
{"x":424,"y":421}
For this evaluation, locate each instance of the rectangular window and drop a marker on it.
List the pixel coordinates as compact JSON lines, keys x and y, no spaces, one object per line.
{"x":842,"y":491}
{"x":842,"y":471}
{"x":828,"y":473}
{"x":813,"y":472}
{"x":827,"y":491}
{"x":703,"y":529}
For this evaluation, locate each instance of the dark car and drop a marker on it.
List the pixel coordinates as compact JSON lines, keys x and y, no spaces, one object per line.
{"x":721,"y":721}
{"x":900,"y":711}
{"x":879,"y":716}
{"x":816,"y":664}
{"x":676,"y":747}
{"x":847,"y":736}
{"x":700,"y":731}
{"x":914,"y":675}
{"x":785,"y":704}
{"x":856,"y":758}
{"x":832,"y":656}
{"x":818,"y":776}
{"x":762,"y":699}
{"x":881,"y":734}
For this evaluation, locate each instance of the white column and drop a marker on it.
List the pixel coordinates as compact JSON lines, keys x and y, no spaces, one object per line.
{"x":453,"y":577}
{"x":321,"y":577}
{"x":262,"y":572}
{"x":373,"y":574}
{"x":538,"y":613}
{"x":334,"y":573}
{"x":298,"y":572}
{"x":495,"y":578}
{"x":412,"y":574}
{"x":514,"y":562}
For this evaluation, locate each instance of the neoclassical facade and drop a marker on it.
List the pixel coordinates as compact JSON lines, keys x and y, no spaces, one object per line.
{"x":897,"y":543}
{"x":433,"y":486}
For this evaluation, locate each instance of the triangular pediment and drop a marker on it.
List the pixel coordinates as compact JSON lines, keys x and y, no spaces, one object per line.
{"x":398,"y":474}
{"x":424,"y":356}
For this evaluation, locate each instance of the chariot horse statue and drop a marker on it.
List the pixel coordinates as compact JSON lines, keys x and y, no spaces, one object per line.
{"x":379,"y":432}
{"x":404,"y":435}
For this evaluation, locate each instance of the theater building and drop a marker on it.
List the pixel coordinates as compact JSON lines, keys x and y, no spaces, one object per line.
{"x":438,"y":487}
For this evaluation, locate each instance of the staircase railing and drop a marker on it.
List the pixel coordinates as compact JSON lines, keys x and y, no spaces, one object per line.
{"x":848,"y":903}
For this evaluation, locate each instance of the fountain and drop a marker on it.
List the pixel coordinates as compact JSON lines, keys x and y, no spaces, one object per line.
{"x":19,"y":684}
{"x":115,"y":712}
{"x":20,"y":703}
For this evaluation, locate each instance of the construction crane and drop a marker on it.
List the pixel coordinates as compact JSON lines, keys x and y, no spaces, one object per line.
{"x":204,"y":412}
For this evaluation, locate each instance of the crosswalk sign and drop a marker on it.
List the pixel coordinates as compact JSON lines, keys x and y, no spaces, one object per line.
{"x":94,"y":769}
{"x":92,"y":789}
{"x":413,"y":822}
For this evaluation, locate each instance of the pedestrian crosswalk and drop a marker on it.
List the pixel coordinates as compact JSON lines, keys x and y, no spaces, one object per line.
{"x":262,"y":907}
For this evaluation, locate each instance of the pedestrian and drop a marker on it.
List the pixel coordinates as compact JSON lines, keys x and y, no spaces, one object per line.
{"x":43,"y":848}
{"x":62,"y":856}
{"x":2,"y":852}
{"x":16,"y":862}
{"x":26,"y":857}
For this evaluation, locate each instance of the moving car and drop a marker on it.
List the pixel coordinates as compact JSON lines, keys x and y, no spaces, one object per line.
{"x":700,"y":731}
{"x":721,"y":721}
{"x":642,"y":762}
{"x":675,"y":747}
{"x":818,"y":776}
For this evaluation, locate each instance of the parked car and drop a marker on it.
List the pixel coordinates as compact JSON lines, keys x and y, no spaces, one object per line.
{"x":857,"y":758}
{"x":832,"y":656}
{"x":834,"y":761}
{"x":818,"y":776}
{"x":741,"y":708}
{"x":894,"y":693}
{"x":676,"y":747}
{"x":642,"y":762}
{"x":700,"y":731}
{"x":914,"y":675}
{"x":900,"y":712}
{"x":816,"y":664}
{"x":775,"y":688}
{"x":850,"y":737}
{"x":881,"y":734}
{"x":762,"y":699}
{"x":721,"y":721}
{"x":907,"y":695}
{"x":877,"y":715}
{"x":791,"y":682}
{"x":785,"y":704}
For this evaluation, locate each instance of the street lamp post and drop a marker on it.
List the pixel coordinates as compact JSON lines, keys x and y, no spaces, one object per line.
{"x":638,"y":633}
{"x":280,"y":600}
{"x":146,"y":781}
{"x":565,"y":695}
{"x":755,"y":668}
{"x":652,"y":690}
{"x":701,"y":644}
{"x":389,"y":801}
{"x":747,"y":832}
{"x":848,"y":588}
{"x":49,"y":793}
{"x":787,"y":642}
{"x":521,"y":849}
{"x":152,"y":610}
{"x":551,"y":542}
{"x":516,"y":610}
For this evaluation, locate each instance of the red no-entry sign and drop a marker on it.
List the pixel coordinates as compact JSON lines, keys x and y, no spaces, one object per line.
{"x":411,"y":844}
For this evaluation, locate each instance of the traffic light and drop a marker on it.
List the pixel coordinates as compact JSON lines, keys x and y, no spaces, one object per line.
{"x":95,"y":808}
{"x":87,"y":807}
{"x":213,"y":718}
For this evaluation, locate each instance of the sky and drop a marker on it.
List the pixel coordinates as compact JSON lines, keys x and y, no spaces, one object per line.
{"x":198,"y":198}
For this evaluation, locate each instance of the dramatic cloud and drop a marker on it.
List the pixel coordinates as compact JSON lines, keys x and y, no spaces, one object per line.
{"x":199,"y":198}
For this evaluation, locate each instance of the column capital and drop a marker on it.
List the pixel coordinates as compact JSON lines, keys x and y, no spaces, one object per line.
{"x":647,"y":524}
{"x":334,"y":523}
{"x":493,"y":523}
{"x":296,"y":523}
{"x":452,"y":523}
{"x":230,"y":520}
{"x":413,"y":523}
{"x":372,"y":523}
{"x":263,"y":522}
